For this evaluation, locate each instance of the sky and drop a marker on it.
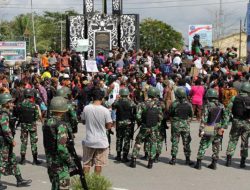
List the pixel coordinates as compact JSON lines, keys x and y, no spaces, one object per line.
{"x":177,"y":13}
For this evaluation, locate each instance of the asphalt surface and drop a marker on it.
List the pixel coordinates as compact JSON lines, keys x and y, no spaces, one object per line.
{"x":162,"y":176}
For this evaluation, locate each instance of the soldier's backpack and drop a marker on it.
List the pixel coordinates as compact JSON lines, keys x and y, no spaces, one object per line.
{"x":124,"y":110}
{"x":150,"y":117}
{"x":27,"y":114}
{"x":214,"y":116}
{"x":241,"y":107}
{"x":183,"y":110}
{"x":49,"y":136}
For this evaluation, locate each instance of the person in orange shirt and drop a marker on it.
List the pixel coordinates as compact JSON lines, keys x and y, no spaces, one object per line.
{"x":44,"y":61}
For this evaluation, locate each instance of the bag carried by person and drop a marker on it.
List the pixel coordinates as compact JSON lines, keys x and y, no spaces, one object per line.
{"x":213,"y":118}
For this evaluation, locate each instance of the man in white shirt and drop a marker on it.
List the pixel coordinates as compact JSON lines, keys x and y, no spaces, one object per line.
{"x":95,"y":147}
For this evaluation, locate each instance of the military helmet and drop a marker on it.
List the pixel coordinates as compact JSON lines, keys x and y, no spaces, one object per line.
{"x":4,"y":98}
{"x":58,"y":104}
{"x":180,"y":93}
{"x":63,"y":92}
{"x":245,"y":87}
{"x":153,"y":92}
{"x":124,"y":92}
{"x":28,"y":93}
{"x":212,"y":93}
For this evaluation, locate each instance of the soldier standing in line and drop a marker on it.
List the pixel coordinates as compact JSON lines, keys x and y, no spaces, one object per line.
{"x":150,"y":114}
{"x":8,"y":162}
{"x":55,"y":137}
{"x":125,"y":109}
{"x":28,"y":113}
{"x":240,"y":108}
{"x":214,"y":121}
{"x":71,"y":114}
{"x":180,"y":113}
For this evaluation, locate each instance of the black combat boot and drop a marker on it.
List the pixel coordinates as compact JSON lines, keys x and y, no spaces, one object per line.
{"x":133,"y":163}
{"x":213,"y":165}
{"x":229,"y":160}
{"x":145,"y":157}
{"x":157,"y":158}
{"x":172,"y":161}
{"x":23,"y":160}
{"x":35,"y":161}
{"x":20,"y":182}
{"x":118,"y":157}
{"x":125,"y":158}
{"x":243,"y":162}
{"x":188,"y":161}
{"x":150,"y":163}
{"x":2,"y":187}
{"x":198,"y":164}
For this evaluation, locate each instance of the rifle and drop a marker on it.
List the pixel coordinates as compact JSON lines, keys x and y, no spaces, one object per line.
{"x":12,"y":126}
{"x":77,"y":162}
{"x":109,"y":133}
{"x":132,"y":128}
{"x":164,"y":126}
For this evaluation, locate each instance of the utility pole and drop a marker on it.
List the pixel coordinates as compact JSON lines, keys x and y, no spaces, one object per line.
{"x":220,"y":20}
{"x":61,"y":35}
{"x":33,"y":26}
{"x":104,"y":11}
{"x":240,"y":39}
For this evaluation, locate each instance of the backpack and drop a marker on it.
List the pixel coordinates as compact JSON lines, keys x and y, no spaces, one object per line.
{"x":150,"y":117}
{"x":241,"y":107}
{"x":49,"y":136}
{"x":183,"y":110}
{"x":26,"y":114}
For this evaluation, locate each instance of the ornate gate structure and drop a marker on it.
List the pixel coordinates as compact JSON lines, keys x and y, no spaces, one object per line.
{"x":103,"y":30}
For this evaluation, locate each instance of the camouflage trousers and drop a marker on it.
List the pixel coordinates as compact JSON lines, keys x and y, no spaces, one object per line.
{"x":159,"y":143}
{"x":58,"y":174}
{"x":123,"y":137}
{"x":150,"y":136}
{"x":8,"y":162}
{"x":239,"y":129}
{"x":26,"y":130}
{"x":206,"y":142}
{"x":186,"y":140}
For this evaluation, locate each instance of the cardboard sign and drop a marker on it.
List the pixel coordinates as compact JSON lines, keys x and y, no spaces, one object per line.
{"x":91,"y":66}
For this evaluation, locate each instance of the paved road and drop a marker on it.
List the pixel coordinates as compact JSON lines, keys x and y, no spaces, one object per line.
{"x":162,"y":176}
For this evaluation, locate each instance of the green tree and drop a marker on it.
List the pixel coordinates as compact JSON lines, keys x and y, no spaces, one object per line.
{"x":157,"y":35}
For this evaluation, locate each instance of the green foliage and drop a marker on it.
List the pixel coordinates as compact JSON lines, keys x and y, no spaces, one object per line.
{"x":48,"y":27}
{"x":94,"y":182}
{"x":157,"y":35}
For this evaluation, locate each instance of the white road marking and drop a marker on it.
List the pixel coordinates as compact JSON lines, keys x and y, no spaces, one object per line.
{"x":118,"y":189}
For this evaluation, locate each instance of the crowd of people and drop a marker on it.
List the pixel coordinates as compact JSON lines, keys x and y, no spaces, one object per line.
{"x":140,"y":93}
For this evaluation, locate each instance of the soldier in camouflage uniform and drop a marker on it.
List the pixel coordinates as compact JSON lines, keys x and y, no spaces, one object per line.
{"x":125,"y":109}
{"x":181,"y":114}
{"x":71,"y":114}
{"x":28,"y":113}
{"x":240,"y":108}
{"x":149,"y":114}
{"x":56,"y":137}
{"x":214,"y":121}
{"x":8,"y":162}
